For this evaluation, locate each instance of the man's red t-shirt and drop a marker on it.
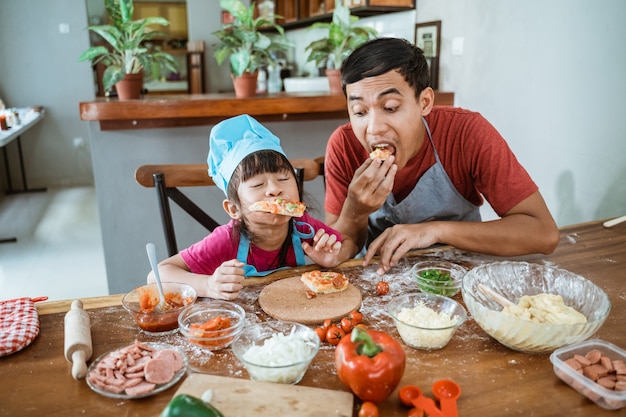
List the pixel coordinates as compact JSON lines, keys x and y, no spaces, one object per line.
{"x":474,"y":155}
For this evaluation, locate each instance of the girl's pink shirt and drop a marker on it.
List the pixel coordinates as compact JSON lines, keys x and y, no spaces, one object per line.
{"x":221,"y":245}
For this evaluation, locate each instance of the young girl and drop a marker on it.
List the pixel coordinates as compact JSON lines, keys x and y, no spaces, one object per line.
{"x":247,"y":163}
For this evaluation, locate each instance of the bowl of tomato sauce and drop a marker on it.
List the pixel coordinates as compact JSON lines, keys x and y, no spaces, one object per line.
{"x":142,"y":302}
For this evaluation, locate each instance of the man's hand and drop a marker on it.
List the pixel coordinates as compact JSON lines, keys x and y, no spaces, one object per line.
{"x":397,"y":240}
{"x":371,"y":184}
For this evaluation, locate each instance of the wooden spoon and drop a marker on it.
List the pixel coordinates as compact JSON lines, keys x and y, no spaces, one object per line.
{"x":495,"y":296}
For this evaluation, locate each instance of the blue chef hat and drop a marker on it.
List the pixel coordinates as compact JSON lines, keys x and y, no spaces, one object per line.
{"x":231,"y":141}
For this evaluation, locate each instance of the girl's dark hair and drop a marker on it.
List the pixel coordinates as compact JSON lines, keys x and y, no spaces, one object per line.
{"x":259,"y":162}
{"x":381,"y":55}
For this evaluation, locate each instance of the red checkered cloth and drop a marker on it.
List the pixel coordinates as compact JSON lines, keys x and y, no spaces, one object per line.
{"x":19,"y":324}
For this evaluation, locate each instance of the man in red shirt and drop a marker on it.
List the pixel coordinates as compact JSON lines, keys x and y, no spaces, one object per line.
{"x":443,"y":161}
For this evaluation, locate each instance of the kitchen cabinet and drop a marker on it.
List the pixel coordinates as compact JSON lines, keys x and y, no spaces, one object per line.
{"x":301,"y":13}
{"x":176,"y":13}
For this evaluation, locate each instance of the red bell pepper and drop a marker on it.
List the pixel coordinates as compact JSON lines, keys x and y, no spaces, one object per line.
{"x":370,"y":363}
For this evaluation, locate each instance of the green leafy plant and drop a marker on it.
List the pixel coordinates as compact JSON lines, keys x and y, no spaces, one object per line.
{"x":127,"y":53}
{"x":244,"y":42}
{"x":343,"y":38}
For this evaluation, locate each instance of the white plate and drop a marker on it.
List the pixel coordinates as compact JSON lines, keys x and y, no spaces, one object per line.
{"x":159,"y":388}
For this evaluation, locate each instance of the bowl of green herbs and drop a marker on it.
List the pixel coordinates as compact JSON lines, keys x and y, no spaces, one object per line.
{"x":438,"y":277}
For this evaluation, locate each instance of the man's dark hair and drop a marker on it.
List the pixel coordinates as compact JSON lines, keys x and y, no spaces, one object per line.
{"x":381,"y":55}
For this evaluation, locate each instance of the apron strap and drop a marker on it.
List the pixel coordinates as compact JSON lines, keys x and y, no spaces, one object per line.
{"x":296,"y":242}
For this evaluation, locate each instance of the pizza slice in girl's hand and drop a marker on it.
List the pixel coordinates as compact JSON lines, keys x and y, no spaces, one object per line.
{"x":280,"y":206}
{"x":324,"y":282}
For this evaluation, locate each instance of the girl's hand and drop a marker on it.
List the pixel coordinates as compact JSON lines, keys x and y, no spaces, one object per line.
{"x":227,"y":281}
{"x":325,"y":249}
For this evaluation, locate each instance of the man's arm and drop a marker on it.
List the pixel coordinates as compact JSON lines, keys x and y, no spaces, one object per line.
{"x":527,"y":228}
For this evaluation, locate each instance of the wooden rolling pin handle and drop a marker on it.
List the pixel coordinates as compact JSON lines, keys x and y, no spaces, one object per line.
{"x":79,"y":364}
{"x":78,"y":347}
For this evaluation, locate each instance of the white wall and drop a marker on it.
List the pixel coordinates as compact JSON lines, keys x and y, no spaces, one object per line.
{"x":551,"y":77}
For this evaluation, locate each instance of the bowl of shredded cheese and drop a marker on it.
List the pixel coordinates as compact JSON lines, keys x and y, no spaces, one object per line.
{"x":426,"y":321}
{"x":276,"y":351}
{"x":534,"y":308}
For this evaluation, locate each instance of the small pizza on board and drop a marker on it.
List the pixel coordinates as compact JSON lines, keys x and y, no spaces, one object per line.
{"x":318,"y":282}
{"x":380,"y":152}
{"x":279,"y":206}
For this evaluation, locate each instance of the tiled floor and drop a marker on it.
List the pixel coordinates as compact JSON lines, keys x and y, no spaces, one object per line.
{"x":58,"y":252}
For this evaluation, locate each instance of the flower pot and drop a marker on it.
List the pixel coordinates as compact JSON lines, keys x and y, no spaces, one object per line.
{"x":334,"y":80}
{"x":245,"y":84}
{"x":130,"y":87}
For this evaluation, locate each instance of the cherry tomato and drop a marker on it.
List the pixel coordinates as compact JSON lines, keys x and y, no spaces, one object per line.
{"x":415,"y":412}
{"x":321,"y":333}
{"x":327,"y":324}
{"x":346,"y":325}
{"x":356,"y":317}
{"x":334,"y":334}
{"x":368,"y":409}
{"x":382,"y":288}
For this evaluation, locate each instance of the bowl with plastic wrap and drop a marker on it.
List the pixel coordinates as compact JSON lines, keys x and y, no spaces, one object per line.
{"x":534,"y":308}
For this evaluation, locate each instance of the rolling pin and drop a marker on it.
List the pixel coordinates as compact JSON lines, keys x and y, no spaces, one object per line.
{"x":78,"y":348}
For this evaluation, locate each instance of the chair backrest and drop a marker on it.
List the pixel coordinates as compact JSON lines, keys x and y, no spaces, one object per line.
{"x":168,"y":178}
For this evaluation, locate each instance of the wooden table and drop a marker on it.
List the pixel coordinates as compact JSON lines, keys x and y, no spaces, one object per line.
{"x":495,"y":380}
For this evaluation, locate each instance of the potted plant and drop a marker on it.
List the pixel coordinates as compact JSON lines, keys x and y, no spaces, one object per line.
{"x":343,"y":38}
{"x":127,"y":56}
{"x":246,"y":44}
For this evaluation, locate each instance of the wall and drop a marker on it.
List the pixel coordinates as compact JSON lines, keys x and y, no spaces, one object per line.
{"x":38,"y":66}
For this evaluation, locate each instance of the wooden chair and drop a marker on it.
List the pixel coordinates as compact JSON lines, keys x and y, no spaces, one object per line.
{"x":168,"y":178}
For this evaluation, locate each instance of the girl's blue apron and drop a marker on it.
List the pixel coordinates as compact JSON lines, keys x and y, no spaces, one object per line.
{"x":433,"y":198}
{"x":296,"y":242}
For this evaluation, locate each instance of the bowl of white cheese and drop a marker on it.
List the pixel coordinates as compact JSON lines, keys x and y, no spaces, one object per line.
{"x":426,"y":321}
{"x":276,"y":351}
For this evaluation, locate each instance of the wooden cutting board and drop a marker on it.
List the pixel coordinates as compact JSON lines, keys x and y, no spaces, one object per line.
{"x":242,"y":397}
{"x":286,"y":300}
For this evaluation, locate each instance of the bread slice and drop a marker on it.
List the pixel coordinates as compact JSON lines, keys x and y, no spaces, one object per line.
{"x":324,"y":282}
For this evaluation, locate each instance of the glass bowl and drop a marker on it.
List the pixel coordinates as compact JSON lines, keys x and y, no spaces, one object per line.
{"x":141,"y":303}
{"x":212,"y":324}
{"x":426,"y":321}
{"x":438,"y":277}
{"x":277,"y":351}
{"x":512,"y":280}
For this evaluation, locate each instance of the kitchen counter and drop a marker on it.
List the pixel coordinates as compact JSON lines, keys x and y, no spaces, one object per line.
{"x":495,"y":380}
{"x":207,"y":109}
